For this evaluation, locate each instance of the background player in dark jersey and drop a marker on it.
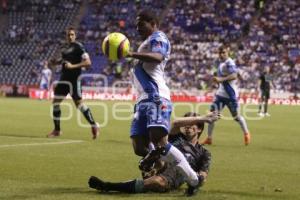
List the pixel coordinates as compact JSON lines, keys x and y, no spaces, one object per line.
{"x":265,"y":85}
{"x":185,"y":133}
{"x":74,"y":57}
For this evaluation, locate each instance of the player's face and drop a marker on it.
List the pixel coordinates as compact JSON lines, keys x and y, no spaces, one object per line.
{"x":71,"y":36}
{"x":223,"y":53}
{"x":190,"y":132}
{"x":144,"y":28}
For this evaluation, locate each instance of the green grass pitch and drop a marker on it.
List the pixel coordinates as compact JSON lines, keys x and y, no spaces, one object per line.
{"x":33,"y":168}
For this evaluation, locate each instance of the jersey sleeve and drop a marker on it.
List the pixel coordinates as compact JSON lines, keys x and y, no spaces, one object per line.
{"x":159,"y":45}
{"x":231,"y":66}
{"x":82,"y":52}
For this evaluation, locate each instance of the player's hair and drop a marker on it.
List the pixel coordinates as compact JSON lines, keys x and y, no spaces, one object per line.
{"x":223,"y":47}
{"x":148,"y":16}
{"x":200,"y":125}
{"x":70,"y":28}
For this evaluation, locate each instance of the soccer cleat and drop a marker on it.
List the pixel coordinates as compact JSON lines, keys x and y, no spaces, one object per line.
{"x":247,"y":138}
{"x":158,"y":167}
{"x":97,"y":184}
{"x":267,"y":114}
{"x":207,"y":141}
{"x":95,"y":131}
{"x":260,"y":114}
{"x":54,"y":133}
{"x":148,"y":162}
{"x":192,"y":190}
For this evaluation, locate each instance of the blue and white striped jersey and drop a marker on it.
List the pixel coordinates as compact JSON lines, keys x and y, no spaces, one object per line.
{"x":148,"y":77}
{"x":227,"y":89}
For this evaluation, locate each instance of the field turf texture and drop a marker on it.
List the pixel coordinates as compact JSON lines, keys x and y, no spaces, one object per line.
{"x":33,"y":167}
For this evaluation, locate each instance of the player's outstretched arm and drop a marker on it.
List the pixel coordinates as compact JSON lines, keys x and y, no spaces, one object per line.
{"x":146,"y":57}
{"x":86,"y":63}
{"x":189,"y":121}
{"x":230,"y":77}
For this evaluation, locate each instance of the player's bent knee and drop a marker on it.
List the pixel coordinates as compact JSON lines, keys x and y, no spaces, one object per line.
{"x":140,"y":151}
{"x":140,"y":145}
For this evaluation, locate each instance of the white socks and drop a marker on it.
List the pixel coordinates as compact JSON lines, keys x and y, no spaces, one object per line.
{"x":242,"y":122}
{"x":174,"y":157}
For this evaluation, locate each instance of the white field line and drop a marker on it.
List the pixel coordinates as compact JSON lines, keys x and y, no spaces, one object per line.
{"x":41,"y":144}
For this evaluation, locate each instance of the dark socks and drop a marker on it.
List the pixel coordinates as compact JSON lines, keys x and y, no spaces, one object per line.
{"x":127,"y":187}
{"x":56,"y":117}
{"x":266,"y":107}
{"x":87,"y":114}
{"x":133,"y":186}
{"x":259,"y":107}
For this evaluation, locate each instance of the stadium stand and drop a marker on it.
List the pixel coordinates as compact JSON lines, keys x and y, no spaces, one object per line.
{"x":34,"y":31}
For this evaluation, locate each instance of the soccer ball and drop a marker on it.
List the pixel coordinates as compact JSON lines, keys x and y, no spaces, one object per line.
{"x":115,"y":46}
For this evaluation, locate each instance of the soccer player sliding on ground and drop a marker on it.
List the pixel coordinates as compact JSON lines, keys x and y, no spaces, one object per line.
{"x":184,"y":135}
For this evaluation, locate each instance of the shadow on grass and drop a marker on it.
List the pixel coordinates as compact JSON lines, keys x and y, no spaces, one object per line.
{"x":90,"y":192}
{"x":86,"y":193}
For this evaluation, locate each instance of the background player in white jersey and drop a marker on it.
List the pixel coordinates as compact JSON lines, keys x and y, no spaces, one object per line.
{"x":227,"y":93}
{"x":45,"y":78}
{"x":153,"y":108}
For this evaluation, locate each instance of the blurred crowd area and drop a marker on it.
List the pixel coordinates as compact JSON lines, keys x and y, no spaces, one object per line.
{"x":260,"y":34}
{"x":31,"y":31}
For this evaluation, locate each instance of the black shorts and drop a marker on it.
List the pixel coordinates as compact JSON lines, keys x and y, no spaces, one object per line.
{"x":65,"y":87}
{"x":265,"y":94}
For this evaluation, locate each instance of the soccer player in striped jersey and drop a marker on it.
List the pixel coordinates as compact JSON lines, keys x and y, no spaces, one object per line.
{"x":153,"y":109}
{"x":227,"y":94}
{"x":45,"y":78}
